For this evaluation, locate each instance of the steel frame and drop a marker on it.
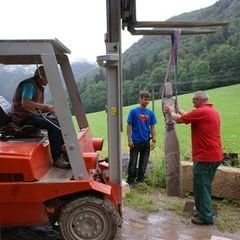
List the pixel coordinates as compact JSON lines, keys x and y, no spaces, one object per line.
{"x":123,"y":13}
{"x":50,"y":53}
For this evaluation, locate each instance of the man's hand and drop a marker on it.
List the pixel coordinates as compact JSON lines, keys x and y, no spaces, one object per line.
{"x":130,"y":144}
{"x":51,"y":109}
{"x":171,"y":109}
{"x":47,"y":108}
{"x":152,"y":145}
{"x":176,"y":116}
{"x":168,"y":108}
{"x":129,"y":134}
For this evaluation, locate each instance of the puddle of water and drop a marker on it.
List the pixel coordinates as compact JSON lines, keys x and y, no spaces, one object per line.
{"x":166,"y":225}
{"x":156,"y":219}
{"x":220,"y":238}
{"x":137,"y":225}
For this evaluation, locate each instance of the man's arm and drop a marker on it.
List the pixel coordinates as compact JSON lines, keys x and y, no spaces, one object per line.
{"x":153,"y":134}
{"x":181,"y":112}
{"x":187,"y":117}
{"x":28,"y":91}
{"x":31,"y":106}
{"x":176,"y":116}
{"x":129,"y":135}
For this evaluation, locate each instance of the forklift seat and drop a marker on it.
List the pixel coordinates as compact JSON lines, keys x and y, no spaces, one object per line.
{"x":8,"y":129}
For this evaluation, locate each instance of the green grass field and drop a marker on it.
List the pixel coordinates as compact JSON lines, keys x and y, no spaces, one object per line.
{"x":226,"y":99}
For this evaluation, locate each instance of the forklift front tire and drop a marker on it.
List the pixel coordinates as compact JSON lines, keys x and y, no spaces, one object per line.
{"x":89,"y":218}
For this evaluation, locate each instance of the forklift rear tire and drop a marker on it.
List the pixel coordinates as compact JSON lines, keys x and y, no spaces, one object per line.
{"x":88,"y":218}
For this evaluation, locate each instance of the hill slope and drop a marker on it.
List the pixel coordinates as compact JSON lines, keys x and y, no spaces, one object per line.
{"x":204,"y":61}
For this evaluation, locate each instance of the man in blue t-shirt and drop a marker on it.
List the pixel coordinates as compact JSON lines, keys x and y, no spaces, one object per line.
{"x":28,"y":102}
{"x":140,"y":130}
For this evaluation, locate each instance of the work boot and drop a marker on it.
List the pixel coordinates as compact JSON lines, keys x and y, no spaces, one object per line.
{"x":199,"y":221}
{"x":140,"y":180}
{"x":131,"y":182}
{"x":195,"y":214}
{"x":61,"y":162}
{"x":65,"y":156}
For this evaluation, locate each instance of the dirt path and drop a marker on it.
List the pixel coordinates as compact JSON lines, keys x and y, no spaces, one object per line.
{"x":136,"y":226}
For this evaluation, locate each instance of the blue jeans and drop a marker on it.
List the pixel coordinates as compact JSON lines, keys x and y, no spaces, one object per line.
{"x":54,"y":134}
{"x":143,"y":149}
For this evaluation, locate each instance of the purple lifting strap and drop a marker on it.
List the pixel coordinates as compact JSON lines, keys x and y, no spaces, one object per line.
{"x":172,"y":66}
{"x":172,"y":62}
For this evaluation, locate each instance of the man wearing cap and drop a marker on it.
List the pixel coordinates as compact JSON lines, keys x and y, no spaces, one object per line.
{"x":28,"y":102}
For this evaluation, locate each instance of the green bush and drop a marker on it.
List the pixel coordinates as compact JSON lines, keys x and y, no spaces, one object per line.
{"x":157,"y":176}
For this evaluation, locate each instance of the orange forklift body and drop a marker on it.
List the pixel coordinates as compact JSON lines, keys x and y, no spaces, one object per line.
{"x":28,"y":180}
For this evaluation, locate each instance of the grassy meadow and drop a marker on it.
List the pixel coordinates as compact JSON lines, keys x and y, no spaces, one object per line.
{"x":227,"y":101}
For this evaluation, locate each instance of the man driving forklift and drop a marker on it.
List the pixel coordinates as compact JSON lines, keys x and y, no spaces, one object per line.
{"x":27,"y":108}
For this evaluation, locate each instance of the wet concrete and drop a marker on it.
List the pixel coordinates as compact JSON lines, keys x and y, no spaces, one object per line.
{"x":136,"y":225}
{"x":166,"y":225}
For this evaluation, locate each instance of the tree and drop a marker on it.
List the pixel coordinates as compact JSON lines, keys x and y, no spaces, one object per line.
{"x":95,"y":97}
{"x":157,"y":75}
{"x":224,"y":64}
{"x":201,"y":75}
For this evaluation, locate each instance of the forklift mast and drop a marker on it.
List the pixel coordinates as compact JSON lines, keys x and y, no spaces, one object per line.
{"x":122,"y":14}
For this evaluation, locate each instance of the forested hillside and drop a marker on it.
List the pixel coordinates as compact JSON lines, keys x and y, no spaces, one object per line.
{"x":204,"y":61}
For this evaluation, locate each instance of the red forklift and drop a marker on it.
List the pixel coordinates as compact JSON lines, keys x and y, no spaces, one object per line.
{"x":83,"y":202}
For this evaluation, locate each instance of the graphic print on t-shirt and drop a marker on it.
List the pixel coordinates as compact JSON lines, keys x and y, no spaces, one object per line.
{"x":143,"y":117}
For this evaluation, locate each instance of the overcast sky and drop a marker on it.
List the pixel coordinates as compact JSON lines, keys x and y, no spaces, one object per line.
{"x":80,"y":24}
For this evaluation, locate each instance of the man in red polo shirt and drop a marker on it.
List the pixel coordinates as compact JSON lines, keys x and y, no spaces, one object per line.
{"x":206,"y":151}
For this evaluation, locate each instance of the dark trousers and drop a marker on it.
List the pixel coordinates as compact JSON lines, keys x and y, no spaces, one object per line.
{"x":203,"y":175}
{"x":54,"y":134}
{"x":144,"y":150}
